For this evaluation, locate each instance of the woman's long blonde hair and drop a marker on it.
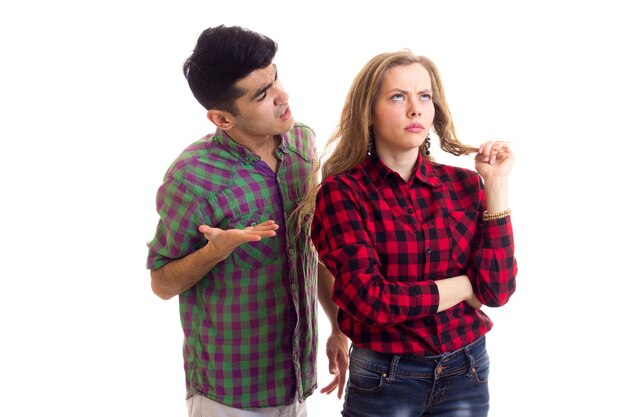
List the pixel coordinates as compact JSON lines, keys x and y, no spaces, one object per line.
{"x":353,"y":138}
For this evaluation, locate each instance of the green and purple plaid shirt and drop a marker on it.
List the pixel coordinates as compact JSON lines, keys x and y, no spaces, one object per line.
{"x":250,"y":336}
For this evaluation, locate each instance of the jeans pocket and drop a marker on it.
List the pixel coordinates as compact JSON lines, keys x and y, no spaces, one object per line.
{"x":481,"y":370}
{"x":364,"y":379}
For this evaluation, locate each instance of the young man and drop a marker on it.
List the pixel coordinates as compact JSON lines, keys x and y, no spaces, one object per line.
{"x":230,"y":244}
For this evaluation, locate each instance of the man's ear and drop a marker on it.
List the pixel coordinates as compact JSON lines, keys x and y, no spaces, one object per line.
{"x":221,"y":119}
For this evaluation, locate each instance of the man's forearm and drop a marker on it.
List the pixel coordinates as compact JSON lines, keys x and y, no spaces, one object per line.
{"x":181,"y":274}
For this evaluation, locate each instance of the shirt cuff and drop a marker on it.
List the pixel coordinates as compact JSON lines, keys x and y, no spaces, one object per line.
{"x":498,"y":234}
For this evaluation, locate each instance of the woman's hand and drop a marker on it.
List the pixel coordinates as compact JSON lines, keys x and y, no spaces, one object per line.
{"x":494,"y":159}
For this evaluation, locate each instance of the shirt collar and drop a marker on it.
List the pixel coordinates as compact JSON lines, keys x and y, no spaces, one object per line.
{"x":239,"y":151}
{"x":380,"y":173}
{"x":425,"y":172}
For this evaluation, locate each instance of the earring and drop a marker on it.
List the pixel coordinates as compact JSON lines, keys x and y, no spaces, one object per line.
{"x":427,"y":145}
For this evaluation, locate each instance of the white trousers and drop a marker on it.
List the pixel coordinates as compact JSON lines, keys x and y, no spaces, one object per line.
{"x":201,"y":406}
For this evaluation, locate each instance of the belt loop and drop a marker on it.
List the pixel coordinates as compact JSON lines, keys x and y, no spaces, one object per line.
{"x":471,"y":371}
{"x":393,"y":368}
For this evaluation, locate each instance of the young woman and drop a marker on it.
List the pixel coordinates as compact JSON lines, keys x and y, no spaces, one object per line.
{"x":416,"y":247}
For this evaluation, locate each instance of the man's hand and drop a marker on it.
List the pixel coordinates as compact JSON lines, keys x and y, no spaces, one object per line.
{"x":223,"y":242}
{"x":337,"y":348}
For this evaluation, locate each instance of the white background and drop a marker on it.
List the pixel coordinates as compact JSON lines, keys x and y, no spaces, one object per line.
{"x":94,"y":107}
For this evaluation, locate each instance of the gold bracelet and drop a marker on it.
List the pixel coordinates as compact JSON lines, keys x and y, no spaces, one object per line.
{"x":496,"y":216}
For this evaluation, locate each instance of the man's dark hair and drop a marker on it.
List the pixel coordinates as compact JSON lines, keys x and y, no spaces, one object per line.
{"x":224,"y":55}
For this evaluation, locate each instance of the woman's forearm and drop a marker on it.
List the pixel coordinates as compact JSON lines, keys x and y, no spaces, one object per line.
{"x":453,"y":290}
{"x":496,"y":194}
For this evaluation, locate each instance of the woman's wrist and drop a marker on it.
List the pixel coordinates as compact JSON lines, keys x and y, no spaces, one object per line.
{"x":487,"y":215}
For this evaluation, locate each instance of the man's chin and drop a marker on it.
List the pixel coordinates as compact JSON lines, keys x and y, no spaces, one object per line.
{"x":287,"y":125}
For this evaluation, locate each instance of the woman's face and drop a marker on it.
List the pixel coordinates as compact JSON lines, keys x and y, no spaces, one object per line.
{"x":403,"y":110}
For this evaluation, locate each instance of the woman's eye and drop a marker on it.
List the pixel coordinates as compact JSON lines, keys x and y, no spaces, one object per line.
{"x":426,"y":97}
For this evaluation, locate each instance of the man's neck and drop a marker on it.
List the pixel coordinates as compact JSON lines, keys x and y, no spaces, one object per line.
{"x":264,"y":146}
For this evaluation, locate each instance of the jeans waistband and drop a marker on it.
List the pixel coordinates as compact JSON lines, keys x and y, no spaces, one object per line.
{"x":465,"y":357}
{"x":475,"y":348}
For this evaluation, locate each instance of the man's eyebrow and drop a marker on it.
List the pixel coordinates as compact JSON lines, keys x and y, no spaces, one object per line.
{"x":266,"y":87}
{"x":261,"y":91}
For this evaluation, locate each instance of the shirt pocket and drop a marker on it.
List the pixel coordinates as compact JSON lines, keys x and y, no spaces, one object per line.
{"x":462,"y":226}
{"x":254,"y":254}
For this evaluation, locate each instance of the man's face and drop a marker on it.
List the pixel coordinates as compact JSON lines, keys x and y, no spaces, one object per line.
{"x":263,"y":108}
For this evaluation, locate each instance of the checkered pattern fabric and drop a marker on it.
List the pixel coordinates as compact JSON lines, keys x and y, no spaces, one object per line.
{"x":250,"y":335}
{"x":387,"y":241}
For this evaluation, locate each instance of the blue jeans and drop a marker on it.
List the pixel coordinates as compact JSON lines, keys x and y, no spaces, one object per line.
{"x":449,"y":385}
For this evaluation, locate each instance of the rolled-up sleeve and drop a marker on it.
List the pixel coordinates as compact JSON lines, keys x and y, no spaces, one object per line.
{"x":177,"y":232}
{"x":494,"y":264}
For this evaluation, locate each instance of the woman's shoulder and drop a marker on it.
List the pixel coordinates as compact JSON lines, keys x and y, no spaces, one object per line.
{"x":348,"y":177}
{"x":453,"y":171}
{"x":457,"y":177}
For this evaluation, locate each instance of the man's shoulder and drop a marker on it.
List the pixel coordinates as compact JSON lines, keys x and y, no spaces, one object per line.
{"x":301,"y":139}
{"x":201,"y":159}
{"x":303,"y":129}
{"x":197,"y":148}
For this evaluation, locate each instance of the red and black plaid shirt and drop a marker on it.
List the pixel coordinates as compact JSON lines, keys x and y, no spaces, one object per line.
{"x":387,"y":241}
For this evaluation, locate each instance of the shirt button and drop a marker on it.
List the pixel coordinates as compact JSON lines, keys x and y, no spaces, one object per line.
{"x":253,"y":224}
{"x":293,"y":287}
{"x":410,"y":211}
{"x":428,"y":250}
